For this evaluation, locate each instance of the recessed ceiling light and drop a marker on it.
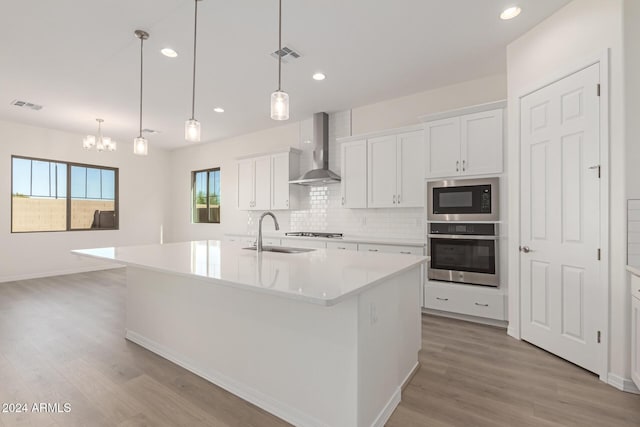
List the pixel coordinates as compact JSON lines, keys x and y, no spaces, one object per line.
{"x":319,"y":76}
{"x":167,"y":51}
{"x":219,"y":110}
{"x":510,"y":13}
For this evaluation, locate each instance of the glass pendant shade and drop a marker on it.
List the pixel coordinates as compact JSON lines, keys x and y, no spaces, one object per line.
{"x":88,"y":142}
{"x":140,"y":146}
{"x":100,"y":145}
{"x":192,"y":130}
{"x":279,"y":105}
{"x":109,"y":144}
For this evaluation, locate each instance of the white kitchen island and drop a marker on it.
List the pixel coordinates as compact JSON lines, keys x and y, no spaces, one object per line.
{"x":323,"y":338}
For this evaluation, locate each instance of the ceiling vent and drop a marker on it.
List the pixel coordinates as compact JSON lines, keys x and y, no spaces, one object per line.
{"x":288,"y":54}
{"x":25,"y":104}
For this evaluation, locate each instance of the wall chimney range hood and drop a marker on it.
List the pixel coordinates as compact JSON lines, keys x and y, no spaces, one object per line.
{"x":320,"y":174}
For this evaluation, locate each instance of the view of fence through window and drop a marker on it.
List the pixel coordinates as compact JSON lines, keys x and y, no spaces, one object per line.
{"x":58,"y":196}
{"x":206,"y":196}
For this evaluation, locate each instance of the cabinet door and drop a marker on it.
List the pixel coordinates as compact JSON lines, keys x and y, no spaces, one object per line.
{"x":262,"y":183}
{"x":443,"y":148}
{"x":635,"y":341}
{"x":280,"y":181}
{"x":245,"y":184}
{"x":481,"y":143}
{"x":353,"y":169}
{"x":410,"y":170}
{"x":382,"y":172}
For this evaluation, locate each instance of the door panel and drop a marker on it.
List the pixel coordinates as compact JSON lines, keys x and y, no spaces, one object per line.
{"x":410,"y":183}
{"x":443,"y":148}
{"x":354,"y":174}
{"x":481,"y":143}
{"x":382,"y":172}
{"x":280,"y":181}
{"x":262,"y":183}
{"x":245,"y":184}
{"x":560,"y":220}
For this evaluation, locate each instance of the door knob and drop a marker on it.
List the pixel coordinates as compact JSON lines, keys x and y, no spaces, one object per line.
{"x":525,"y":249}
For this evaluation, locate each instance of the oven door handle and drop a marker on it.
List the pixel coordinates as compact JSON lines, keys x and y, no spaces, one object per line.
{"x":462,"y":237}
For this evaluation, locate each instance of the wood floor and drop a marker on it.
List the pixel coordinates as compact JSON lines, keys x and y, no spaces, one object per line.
{"x":61,"y":341}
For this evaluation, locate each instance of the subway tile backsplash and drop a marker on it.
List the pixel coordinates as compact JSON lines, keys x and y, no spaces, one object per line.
{"x":321,"y":210}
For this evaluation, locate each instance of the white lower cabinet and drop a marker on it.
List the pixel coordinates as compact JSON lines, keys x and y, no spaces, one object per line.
{"x":635,"y":330}
{"x":465,"y":299}
{"x":348,"y":246}
{"x":391,"y":249}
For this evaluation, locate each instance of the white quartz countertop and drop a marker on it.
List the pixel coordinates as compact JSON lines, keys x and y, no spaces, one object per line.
{"x":347,"y":238}
{"x":323,"y":276}
{"x":633,"y":270}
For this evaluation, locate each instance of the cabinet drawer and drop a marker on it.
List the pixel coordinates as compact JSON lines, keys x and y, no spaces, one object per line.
{"x":342,"y":246}
{"x":635,"y":286}
{"x":465,"y":300}
{"x":393,"y":249}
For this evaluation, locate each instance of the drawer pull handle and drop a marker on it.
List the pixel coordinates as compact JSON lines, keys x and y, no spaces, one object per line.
{"x":373,"y":250}
{"x":405,"y":252}
{"x":442,"y":299}
{"x":340,"y":247}
{"x":482,"y":305}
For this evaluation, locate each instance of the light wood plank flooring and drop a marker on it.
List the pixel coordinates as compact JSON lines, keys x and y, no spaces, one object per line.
{"x":61,"y":340}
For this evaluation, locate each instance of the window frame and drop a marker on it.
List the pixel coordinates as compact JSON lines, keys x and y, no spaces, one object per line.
{"x":116,"y":195}
{"x":207,"y":195}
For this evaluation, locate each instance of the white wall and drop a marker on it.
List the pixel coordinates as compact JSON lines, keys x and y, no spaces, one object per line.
{"x":142,"y":194}
{"x":632,"y":87}
{"x":582,"y":29}
{"x":316,"y":211}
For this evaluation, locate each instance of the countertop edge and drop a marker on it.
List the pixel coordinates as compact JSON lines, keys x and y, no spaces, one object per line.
{"x":633,"y":270}
{"x":373,"y":240}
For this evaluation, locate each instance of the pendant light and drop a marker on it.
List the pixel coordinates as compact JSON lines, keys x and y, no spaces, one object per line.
{"x":279,"y":99}
{"x":140,"y":144}
{"x":192,"y":126}
{"x":100,"y":142}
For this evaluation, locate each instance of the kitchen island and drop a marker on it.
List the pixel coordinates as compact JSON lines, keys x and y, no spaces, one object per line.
{"x":322,"y":338}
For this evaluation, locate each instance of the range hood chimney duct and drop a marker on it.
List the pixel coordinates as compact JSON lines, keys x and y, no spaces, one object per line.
{"x":320,"y":173}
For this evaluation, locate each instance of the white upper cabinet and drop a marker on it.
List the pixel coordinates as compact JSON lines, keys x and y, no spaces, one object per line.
{"x":263,"y":181}
{"x":353,"y":170}
{"x":467,"y":144}
{"x":284,"y":167}
{"x":396,"y":170}
{"x":410,"y":170}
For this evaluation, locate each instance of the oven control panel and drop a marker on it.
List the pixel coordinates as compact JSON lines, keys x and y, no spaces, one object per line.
{"x":462,"y":228}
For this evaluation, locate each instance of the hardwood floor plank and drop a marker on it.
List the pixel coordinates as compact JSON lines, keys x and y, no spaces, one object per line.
{"x":62,"y":339}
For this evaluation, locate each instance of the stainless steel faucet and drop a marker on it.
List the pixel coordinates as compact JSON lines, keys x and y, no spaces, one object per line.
{"x":275,"y":220}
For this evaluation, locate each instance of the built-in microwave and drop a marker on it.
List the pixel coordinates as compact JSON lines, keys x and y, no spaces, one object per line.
{"x":463,"y":200}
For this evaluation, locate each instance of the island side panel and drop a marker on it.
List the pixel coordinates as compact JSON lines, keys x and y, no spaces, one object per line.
{"x":388,"y":324}
{"x":294,"y":359}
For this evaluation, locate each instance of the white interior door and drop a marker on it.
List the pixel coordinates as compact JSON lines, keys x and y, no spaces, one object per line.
{"x":560,"y":221}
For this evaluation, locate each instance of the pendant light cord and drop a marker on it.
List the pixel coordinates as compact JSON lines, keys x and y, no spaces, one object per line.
{"x":279,"y":44}
{"x":141,"y":68}
{"x":195,"y":38}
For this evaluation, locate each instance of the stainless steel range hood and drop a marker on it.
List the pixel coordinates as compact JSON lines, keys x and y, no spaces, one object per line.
{"x":320,"y":174}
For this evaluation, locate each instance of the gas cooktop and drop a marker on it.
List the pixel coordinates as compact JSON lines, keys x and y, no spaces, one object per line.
{"x":314,"y":234}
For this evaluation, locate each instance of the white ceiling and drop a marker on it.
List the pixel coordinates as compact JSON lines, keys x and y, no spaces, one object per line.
{"x":80,"y":59}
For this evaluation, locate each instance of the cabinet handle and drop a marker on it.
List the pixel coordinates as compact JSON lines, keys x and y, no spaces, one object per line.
{"x":343,"y":201}
{"x":464,"y":165}
{"x":405,"y":252}
{"x":339,"y":247}
{"x":442,"y":299}
{"x":373,"y":250}
{"x":286,"y":202}
{"x":481,"y":305}
{"x":457,"y":165}
{"x":394,"y":199}
{"x":398,"y":199}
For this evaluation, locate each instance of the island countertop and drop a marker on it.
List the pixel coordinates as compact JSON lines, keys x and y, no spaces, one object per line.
{"x":323,"y":276}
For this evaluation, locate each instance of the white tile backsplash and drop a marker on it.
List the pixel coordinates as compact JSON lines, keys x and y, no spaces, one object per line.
{"x":633,"y":232}
{"x":321,"y":209}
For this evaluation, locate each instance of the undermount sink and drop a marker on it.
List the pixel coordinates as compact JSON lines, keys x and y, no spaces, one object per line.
{"x":282,"y":249}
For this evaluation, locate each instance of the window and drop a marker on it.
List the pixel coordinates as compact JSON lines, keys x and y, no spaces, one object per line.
{"x":205,"y":190}
{"x":48,"y":195}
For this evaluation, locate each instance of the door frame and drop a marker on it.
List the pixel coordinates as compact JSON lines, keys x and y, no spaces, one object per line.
{"x":514,"y":174}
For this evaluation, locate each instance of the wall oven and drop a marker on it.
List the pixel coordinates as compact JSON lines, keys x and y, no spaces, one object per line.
{"x":464,"y":253}
{"x":463,"y":200}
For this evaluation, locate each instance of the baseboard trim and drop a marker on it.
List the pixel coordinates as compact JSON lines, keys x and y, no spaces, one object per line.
{"x":623,"y":384}
{"x":388,"y":409}
{"x":474,"y":319}
{"x":511,"y":331}
{"x":410,"y":376}
{"x":269,"y":404}
{"x":30,"y":276}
